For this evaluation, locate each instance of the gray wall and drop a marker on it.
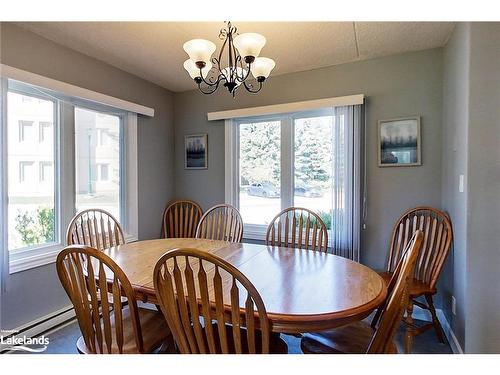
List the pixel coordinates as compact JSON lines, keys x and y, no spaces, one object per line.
{"x":37,"y":292}
{"x":455,"y":124}
{"x":471,"y":146}
{"x":396,"y":86}
{"x":483,"y":198}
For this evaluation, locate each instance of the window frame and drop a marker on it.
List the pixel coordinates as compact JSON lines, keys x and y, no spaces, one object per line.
{"x":287,"y":172}
{"x":124,"y":121}
{"x":31,"y":255}
{"x":64,"y":171}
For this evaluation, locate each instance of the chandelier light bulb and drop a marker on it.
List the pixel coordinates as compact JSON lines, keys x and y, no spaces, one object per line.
{"x":262,"y":67}
{"x":249,"y":45}
{"x":200,"y":50}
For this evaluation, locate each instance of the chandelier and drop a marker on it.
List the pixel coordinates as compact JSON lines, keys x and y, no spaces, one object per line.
{"x":242,"y":59}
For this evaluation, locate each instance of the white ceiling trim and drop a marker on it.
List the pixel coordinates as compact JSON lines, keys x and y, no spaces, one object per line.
{"x":287,"y":107}
{"x":7,"y":71}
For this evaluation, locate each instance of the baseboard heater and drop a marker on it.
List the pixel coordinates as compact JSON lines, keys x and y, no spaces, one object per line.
{"x":43,"y":324}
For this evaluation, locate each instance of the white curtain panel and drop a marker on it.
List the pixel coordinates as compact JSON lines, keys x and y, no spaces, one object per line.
{"x":346,"y":190}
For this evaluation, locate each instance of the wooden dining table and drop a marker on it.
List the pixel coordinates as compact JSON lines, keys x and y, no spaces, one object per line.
{"x":303,"y":290}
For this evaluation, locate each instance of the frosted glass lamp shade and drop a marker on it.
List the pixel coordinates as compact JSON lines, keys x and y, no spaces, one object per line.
{"x":249,"y":44}
{"x":199,"y":50}
{"x":194,"y":71}
{"x":262,"y":67}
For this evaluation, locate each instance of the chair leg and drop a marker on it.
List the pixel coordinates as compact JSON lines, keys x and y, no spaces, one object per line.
{"x":376,"y":318}
{"x":435,"y":321}
{"x":409,"y":327}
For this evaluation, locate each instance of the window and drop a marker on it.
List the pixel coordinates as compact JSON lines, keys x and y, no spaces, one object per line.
{"x":25,"y":129}
{"x":260,"y":171}
{"x":307,"y":159}
{"x":63,"y":168}
{"x":260,"y":166}
{"x":97,"y":168}
{"x":313,"y":148}
{"x":31,"y":219}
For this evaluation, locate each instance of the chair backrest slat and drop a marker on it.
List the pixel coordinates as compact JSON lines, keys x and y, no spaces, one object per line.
{"x":289,"y":229}
{"x":200,"y":296}
{"x":222,"y":222}
{"x":397,"y":299}
{"x":95,"y":228}
{"x":87,"y":274}
{"x":180,"y":219}
{"x":437,"y":238}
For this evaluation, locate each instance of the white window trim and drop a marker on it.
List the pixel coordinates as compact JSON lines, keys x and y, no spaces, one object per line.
{"x":60,"y":87}
{"x":26,"y":258}
{"x":4,"y":261}
{"x":277,"y":109}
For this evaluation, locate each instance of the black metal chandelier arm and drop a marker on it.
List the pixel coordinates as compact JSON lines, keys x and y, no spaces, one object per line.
{"x":242,"y":79}
{"x":218,"y":60}
{"x":249,"y":87}
{"x":219,"y":77}
{"x":214,"y":88}
{"x":215,"y":63}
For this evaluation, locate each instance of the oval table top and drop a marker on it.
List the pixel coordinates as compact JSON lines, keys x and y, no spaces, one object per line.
{"x":303,"y":290}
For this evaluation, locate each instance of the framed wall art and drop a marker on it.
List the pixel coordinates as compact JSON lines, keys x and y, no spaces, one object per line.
{"x":195,"y":153}
{"x":399,"y":142}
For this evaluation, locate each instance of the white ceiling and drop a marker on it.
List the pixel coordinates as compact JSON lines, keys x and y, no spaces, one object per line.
{"x":153,"y":50}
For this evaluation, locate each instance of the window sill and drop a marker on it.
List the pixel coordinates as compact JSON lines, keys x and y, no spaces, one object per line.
{"x":25,"y":260}
{"x":130,"y":237}
{"x":254,"y":232}
{"x":258,"y":233}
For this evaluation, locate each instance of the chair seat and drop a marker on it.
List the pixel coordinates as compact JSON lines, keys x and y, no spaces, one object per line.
{"x":276,"y":343}
{"x":350,"y":339}
{"x":154,"y":328}
{"x":417,"y":287}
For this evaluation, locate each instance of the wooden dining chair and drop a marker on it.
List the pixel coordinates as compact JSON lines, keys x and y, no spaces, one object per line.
{"x":107,"y":326}
{"x":360,"y":337}
{"x":95,"y":228}
{"x":180,"y":219}
{"x":211,"y":306}
{"x":298,"y":228}
{"x":221,"y":222}
{"x":438,"y":236}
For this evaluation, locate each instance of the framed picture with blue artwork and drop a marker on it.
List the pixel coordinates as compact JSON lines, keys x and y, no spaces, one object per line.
{"x":195,"y":154}
{"x":399,"y":142}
